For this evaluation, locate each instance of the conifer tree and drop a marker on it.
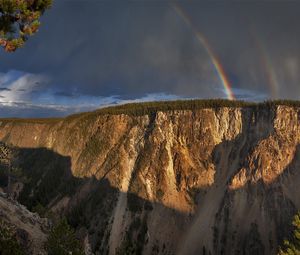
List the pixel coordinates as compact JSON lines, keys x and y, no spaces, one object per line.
{"x":292,"y":247}
{"x":8,"y":241}
{"x":62,"y":240}
{"x":19,"y":19}
{"x":7,"y":155}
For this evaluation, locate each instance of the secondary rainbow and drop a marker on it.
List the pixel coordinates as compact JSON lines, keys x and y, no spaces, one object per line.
{"x":202,"y":39}
{"x":267,"y":66}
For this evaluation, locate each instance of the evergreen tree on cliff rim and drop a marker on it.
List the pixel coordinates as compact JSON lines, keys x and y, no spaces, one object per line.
{"x":19,"y":19}
{"x":293,"y":247}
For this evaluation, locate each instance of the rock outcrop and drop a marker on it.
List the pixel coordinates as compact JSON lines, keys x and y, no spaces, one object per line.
{"x":208,"y":181}
{"x":30,"y":230}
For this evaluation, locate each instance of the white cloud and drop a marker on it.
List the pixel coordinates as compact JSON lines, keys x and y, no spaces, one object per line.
{"x":27,"y":95}
{"x":19,"y":87}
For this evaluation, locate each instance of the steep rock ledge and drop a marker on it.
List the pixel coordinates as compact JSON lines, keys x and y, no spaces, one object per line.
{"x":219,"y":181}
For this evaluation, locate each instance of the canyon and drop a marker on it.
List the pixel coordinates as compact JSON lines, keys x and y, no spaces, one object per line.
{"x":207,"y":180}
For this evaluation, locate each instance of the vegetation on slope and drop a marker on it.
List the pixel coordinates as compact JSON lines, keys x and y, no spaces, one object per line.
{"x":148,"y":108}
{"x":292,"y":247}
{"x":137,"y":109}
{"x":62,"y":240}
{"x":8,"y":242}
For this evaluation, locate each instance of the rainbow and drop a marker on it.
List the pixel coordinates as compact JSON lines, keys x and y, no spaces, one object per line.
{"x":268,"y":67}
{"x":216,"y":62}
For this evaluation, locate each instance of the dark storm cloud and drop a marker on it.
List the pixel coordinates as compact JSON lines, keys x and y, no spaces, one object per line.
{"x":65,"y":94}
{"x":129,"y":49}
{"x":4,"y":89}
{"x":15,"y":111}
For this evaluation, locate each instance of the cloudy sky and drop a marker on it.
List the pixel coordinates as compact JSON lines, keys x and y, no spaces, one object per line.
{"x":91,"y":53}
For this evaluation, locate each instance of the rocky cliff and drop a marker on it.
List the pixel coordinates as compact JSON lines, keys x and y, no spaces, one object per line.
{"x":221,"y":180}
{"x":29,"y":229}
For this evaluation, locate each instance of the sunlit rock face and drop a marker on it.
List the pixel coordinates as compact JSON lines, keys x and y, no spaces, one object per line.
{"x":209,"y":181}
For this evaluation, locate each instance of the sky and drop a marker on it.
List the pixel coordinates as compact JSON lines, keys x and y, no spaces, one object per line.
{"x":91,"y":53}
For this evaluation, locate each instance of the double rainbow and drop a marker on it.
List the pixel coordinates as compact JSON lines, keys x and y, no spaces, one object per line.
{"x":267,"y":66}
{"x":204,"y":42}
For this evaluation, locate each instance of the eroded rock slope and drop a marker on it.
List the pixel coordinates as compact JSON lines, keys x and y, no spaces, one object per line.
{"x":209,"y":181}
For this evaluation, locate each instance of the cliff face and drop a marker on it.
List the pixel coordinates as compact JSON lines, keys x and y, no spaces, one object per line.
{"x":208,"y":181}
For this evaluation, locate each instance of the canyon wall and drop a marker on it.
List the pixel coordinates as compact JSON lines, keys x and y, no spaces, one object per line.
{"x":210,"y":181}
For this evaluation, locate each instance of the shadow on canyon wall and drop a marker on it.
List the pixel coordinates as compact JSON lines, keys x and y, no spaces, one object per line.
{"x":88,"y":203}
{"x":247,"y":218}
{"x":239,"y":216}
